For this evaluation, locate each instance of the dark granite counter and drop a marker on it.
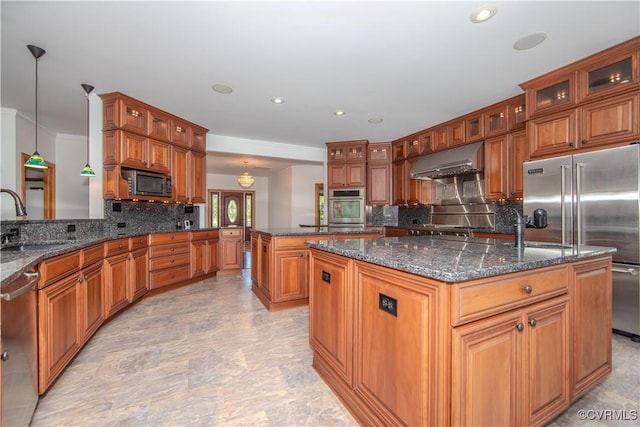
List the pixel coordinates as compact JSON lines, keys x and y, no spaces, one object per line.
{"x":456,"y":259}
{"x":314,"y":231}
{"x":13,"y":263}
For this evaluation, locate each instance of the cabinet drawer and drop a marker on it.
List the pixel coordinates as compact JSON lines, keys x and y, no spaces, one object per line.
{"x":162,"y":238}
{"x":92,"y":254}
{"x":297,"y":242}
{"x":115,"y":247}
{"x":204,"y":235}
{"x":168,"y":250}
{"x":230,"y":233}
{"x":55,"y":268}
{"x":478,"y":299}
{"x":138,"y":242}
{"x":168,"y":261}
{"x":166,"y":277}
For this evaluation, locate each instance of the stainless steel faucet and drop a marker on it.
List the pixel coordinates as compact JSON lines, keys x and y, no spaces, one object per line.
{"x":20,"y":209}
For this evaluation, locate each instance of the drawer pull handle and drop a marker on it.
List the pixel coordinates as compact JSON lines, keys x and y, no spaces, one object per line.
{"x":520,"y":327}
{"x":533,"y":322}
{"x":172,"y":261}
{"x":80,"y":279}
{"x":527,"y":289}
{"x":120,"y":246}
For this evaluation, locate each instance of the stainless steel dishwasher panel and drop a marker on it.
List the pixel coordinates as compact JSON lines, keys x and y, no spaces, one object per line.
{"x":626,"y":298}
{"x":19,"y":351}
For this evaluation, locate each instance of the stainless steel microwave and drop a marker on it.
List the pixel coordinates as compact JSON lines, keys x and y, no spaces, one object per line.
{"x":143,"y":183}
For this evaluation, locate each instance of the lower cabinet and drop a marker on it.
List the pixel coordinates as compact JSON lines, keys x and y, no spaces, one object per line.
{"x":139,"y":274}
{"x":511,"y":369}
{"x":91,"y":300}
{"x":169,"y":259}
{"x":204,"y":252}
{"x":230,"y":259}
{"x":116,"y":274}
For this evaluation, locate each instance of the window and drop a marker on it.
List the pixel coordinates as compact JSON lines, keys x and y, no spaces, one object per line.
{"x":214,"y":203}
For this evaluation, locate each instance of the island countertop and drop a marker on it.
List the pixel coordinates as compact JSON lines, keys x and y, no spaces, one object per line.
{"x":314,"y":231}
{"x":454,"y":259}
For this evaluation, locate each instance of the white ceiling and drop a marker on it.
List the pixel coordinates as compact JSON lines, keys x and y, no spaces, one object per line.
{"x":414,"y":64}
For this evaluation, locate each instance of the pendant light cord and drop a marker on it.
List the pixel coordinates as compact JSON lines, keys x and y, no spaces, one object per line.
{"x":37,"y":59}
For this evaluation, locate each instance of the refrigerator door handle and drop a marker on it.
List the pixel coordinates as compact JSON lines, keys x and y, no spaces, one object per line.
{"x":563,"y":194}
{"x":632,"y":271}
{"x":578,"y":204}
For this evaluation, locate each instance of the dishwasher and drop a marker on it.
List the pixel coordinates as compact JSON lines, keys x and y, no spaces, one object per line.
{"x":18,"y":331}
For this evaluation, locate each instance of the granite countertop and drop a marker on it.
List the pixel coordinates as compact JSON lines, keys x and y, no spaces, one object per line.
{"x":313,"y":231}
{"x":14,"y":263}
{"x":456,"y":259}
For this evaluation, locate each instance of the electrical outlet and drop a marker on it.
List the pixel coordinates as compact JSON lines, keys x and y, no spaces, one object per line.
{"x":117,"y":207}
{"x":388,"y":304}
{"x":71,"y":228}
{"x":122,"y":224}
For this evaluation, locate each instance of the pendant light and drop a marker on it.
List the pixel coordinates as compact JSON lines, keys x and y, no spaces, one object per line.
{"x":245,"y":180}
{"x":36,"y":161}
{"x":86,"y":170}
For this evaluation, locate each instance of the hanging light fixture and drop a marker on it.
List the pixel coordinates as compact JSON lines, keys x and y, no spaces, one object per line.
{"x":36,"y":161}
{"x":86,"y":170}
{"x":245,"y":180}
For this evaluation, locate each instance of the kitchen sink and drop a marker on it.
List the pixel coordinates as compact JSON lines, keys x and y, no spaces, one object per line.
{"x":30,"y":247}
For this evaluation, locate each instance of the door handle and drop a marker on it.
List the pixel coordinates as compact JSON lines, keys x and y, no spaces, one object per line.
{"x":631,"y":271}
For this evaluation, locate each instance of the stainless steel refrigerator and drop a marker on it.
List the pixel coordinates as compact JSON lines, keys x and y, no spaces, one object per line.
{"x":594,"y":199}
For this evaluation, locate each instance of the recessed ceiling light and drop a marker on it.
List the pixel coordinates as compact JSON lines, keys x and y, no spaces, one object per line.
{"x":277,"y":100}
{"x":339,"y":113}
{"x":484,"y":13}
{"x":375,"y":120}
{"x":222,"y":89}
{"x":532,"y":40}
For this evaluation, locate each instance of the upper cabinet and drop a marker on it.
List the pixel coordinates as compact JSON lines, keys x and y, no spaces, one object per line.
{"x":139,"y":136}
{"x":347,"y":164}
{"x":587,"y":104}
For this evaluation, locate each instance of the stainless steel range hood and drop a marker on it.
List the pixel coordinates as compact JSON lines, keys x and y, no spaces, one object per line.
{"x":454,"y":161}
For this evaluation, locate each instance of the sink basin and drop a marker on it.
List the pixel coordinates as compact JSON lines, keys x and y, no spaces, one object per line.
{"x":541,"y":245}
{"x":30,"y":247}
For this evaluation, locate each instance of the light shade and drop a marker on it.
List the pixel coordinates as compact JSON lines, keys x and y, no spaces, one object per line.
{"x":245,"y":180}
{"x":36,"y":161}
{"x":87,"y":171}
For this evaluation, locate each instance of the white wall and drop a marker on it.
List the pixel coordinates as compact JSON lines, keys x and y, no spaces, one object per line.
{"x":280,"y":205}
{"x":303,"y":202}
{"x":9,"y":176}
{"x":72,"y":190}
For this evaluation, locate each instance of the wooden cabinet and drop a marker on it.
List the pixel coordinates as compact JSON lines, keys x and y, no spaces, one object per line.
{"x":204,"y":252}
{"x":91,"y":299}
{"x":474,"y":127}
{"x":347,"y":164}
{"x":230,"y":259}
{"x":589,"y":103}
{"x":117,"y":274}
{"x":169,"y":259}
{"x":139,"y":267}
{"x":139,"y":136}
{"x":331,"y":314}
{"x":457,"y":133}
{"x":379,"y":174}
{"x":409,"y":191}
{"x":511,"y":369}
{"x":504,"y":156}
{"x":282,"y":262}
{"x":136,"y":151}
{"x":395,"y":231}
{"x":591,"y":325}
{"x":391,"y":348}
{"x":505,"y":116}
{"x":441,"y":138}
{"x":59,"y":328}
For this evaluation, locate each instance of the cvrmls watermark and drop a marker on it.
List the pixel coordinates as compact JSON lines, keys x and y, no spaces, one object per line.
{"x":608,"y":414}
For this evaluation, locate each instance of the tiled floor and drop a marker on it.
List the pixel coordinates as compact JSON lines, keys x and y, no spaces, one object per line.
{"x":210,"y":354}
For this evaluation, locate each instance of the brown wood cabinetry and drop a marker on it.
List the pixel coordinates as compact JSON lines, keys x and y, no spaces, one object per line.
{"x":379,"y":174}
{"x":230,"y":259}
{"x":511,"y":369}
{"x":281,"y":279}
{"x":590,"y":325}
{"x":474,"y":127}
{"x":116,"y":275}
{"x":331,"y":314}
{"x":504,"y":156}
{"x":347,"y":164}
{"x":457,"y":133}
{"x":515,"y":349}
{"x":169,"y":259}
{"x":139,"y":136}
{"x":91,"y":299}
{"x":409,"y":191}
{"x":395,"y":231}
{"x":587,"y":104}
{"x":138,"y":283}
{"x":204,"y":252}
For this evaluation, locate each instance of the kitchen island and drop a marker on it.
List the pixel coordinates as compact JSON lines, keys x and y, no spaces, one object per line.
{"x":459,"y":331}
{"x":279,"y":261}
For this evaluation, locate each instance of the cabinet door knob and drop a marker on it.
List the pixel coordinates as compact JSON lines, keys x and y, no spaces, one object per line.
{"x":533,"y":322}
{"x":4,"y":356}
{"x":120,"y":246}
{"x":570,"y":144}
{"x":80,"y":279}
{"x":520,"y":327}
{"x":585,"y":141}
{"x":527,"y":289}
